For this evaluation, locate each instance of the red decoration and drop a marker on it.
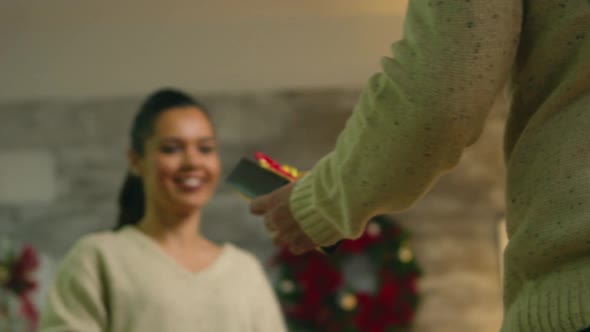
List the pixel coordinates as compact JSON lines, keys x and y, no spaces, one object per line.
{"x":17,"y":276}
{"x":274,"y":166}
{"x":315,"y":296}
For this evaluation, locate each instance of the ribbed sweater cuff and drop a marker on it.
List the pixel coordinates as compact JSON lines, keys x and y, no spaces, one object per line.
{"x":557,"y":306}
{"x":313,"y":223}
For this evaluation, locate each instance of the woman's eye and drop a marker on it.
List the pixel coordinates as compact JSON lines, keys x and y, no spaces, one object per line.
{"x":206,"y":149}
{"x":169,"y":148}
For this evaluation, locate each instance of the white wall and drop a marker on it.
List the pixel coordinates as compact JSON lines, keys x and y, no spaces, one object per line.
{"x":63,"y":48}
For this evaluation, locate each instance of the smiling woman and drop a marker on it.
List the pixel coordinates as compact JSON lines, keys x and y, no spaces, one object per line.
{"x":155,"y":271}
{"x":174,"y":154}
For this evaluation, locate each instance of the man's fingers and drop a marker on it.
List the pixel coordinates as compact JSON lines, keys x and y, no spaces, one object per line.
{"x":277,"y":241}
{"x":279,"y":221}
{"x":301,"y":244}
{"x":259,"y":205}
{"x":297,"y":241}
{"x":270,"y":226}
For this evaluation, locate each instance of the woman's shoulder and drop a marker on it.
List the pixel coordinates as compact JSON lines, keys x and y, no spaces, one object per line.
{"x":84,"y":256}
{"x":96,"y":240}
{"x":93,"y":244}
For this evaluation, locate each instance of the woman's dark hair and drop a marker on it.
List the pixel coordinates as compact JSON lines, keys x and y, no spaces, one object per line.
{"x":131,"y":196}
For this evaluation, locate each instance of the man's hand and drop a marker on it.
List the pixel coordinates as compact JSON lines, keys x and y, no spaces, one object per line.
{"x":279,"y":221}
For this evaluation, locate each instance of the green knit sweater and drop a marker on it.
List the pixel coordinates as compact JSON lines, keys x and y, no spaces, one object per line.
{"x":415,"y":118}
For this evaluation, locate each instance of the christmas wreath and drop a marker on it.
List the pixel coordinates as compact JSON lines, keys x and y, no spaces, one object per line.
{"x":317,"y":296}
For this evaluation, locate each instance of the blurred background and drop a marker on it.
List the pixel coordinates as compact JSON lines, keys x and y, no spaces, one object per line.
{"x":280,"y":77}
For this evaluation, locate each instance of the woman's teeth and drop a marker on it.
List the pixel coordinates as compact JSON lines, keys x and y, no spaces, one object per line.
{"x":192,"y":182}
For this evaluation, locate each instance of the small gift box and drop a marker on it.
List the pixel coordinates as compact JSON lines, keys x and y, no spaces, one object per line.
{"x":260,"y":177}
{"x":263,"y":176}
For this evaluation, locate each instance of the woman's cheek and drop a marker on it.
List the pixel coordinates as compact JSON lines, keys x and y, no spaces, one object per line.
{"x":164,"y":173}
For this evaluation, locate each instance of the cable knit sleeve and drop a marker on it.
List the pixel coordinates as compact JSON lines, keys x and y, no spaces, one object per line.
{"x":414,"y":118}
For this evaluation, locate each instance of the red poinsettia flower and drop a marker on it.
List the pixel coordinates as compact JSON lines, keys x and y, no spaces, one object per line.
{"x":318,"y":274}
{"x":21,"y":282}
{"x":286,"y":256}
{"x":372,"y":235}
{"x":317,"y":280}
{"x":20,"y":277}
{"x":29,"y":311}
{"x":28,"y":260}
{"x":354,"y":246}
{"x":366,"y":318}
{"x":388,"y":308}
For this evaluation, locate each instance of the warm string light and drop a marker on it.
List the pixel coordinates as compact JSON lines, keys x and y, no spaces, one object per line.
{"x":287,"y":286}
{"x":348,"y":302}
{"x":405,"y":254}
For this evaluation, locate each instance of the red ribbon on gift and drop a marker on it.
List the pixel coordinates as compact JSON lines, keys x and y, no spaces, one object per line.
{"x":270,"y":164}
